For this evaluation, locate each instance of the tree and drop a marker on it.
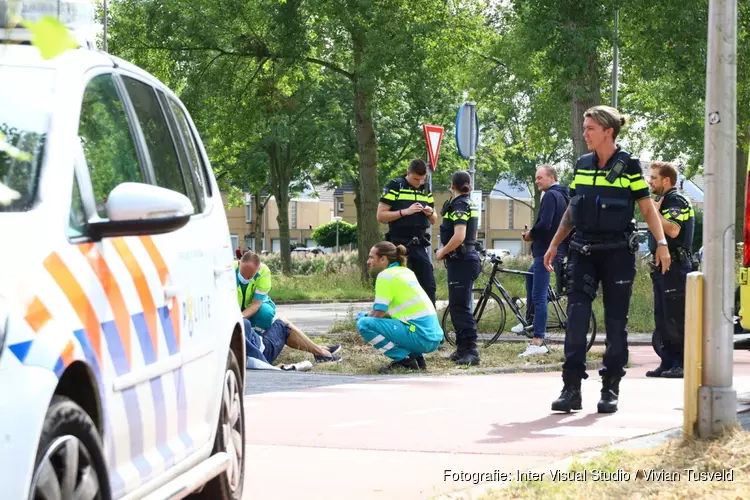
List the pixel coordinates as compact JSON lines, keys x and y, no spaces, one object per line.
{"x":325,"y":235}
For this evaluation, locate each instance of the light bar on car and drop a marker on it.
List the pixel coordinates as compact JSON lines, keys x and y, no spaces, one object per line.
{"x":76,"y":15}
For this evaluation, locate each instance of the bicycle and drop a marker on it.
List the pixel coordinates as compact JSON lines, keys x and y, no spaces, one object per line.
{"x":490,"y":314}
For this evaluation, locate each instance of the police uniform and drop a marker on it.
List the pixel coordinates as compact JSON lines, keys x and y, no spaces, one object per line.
{"x":412,"y":231}
{"x":463,"y":268}
{"x":602,"y":250}
{"x":669,"y":288}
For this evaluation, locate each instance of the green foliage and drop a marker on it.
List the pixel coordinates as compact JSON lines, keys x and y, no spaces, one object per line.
{"x":50,"y":36}
{"x":325,"y":235}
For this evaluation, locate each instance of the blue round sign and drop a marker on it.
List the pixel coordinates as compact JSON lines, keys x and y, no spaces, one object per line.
{"x":467,"y":130}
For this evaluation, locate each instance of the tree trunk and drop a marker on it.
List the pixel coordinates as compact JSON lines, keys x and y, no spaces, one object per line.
{"x":585,"y":92}
{"x":280,"y":178}
{"x":743,"y":145}
{"x":368,"y":232}
{"x":260,"y":208}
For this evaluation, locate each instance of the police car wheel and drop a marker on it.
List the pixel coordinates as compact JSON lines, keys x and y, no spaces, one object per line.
{"x":69,"y":461}
{"x":230,"y":438}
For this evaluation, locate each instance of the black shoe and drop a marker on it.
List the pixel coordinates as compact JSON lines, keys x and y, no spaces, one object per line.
{"x":570,"y":397}
{"x":469,"y":357}
{"x":674,"y":372}
{"x":452,"y":356}
{"x":421,"y":363}
{"x":409,"y":363}
{"x":657,"y":372}
{"x":610,"y":394}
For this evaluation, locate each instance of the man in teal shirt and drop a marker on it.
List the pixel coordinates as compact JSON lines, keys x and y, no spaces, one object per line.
{"x":403,"y":323}
{"x":253,"y":287}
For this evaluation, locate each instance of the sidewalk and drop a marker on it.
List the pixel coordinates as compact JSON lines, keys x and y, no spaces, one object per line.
{"x":395,"y":438}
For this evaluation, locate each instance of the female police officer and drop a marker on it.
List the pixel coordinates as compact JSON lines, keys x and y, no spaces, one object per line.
{"x":607,"y":184}
{"x":458,"y":235}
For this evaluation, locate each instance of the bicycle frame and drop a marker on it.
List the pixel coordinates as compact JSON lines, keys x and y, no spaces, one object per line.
{"x":552,"y":297}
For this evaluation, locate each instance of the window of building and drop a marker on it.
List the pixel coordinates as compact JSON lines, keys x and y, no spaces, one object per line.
{"x":340,"y":206}
{"x":248,"y":213}
{"x":293,"y":210}
{"x":510,"y":214}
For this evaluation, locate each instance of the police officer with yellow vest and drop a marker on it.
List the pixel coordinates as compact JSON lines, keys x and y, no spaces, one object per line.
{"x":678,"y":220}
{"x":606,"y":186}
{"x":458,"y":235}
{"x":409,"y":209}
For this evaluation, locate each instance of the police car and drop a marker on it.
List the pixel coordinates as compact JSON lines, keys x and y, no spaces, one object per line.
{"x":121,"y":346}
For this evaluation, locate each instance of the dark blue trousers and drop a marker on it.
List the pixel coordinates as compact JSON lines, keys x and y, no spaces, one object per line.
{"x":669,"y":312}
{"x":461,"y":276}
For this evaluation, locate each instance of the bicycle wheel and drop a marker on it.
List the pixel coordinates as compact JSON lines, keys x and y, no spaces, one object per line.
{"x":556,"y":328}
{"x":490,"y":316}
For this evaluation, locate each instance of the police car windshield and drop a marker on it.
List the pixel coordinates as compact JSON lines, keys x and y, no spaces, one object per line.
{"x":25,"y":94}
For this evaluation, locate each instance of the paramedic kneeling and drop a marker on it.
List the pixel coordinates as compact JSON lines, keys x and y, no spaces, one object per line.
{"x":253,"y":286}
{"x":403,"y":323}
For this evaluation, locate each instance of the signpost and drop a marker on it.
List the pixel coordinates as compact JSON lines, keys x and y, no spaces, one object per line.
{"x":467,"y":134}
{"x":433,"y":136}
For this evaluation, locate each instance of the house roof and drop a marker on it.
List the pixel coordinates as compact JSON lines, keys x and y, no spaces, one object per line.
{"x":693,"y":188}
{"x":504,"y":189}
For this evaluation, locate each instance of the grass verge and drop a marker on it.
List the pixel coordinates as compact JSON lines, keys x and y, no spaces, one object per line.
{"x":360,"y":358}
{"x":689,"y":469}
{"x":343,"y":283}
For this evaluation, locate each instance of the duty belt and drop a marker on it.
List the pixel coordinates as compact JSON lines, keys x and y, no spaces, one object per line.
{"x":585,"y":248}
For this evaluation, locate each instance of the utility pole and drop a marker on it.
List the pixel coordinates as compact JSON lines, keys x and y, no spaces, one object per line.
{"x":472,"y":137}
{"x":104,"y":21}
{"x":717,"y":399}
{"x":616,"y":59}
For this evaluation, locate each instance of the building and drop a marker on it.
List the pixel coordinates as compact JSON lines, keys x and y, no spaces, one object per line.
{"x":506,"y":210}
{"x":307,"y":211}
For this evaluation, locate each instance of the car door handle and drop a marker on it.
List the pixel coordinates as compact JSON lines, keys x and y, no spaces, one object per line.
{"x":171,"y":292}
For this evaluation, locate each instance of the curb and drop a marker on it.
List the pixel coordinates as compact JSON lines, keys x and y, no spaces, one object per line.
{"x":321,"y":301}
{"x":590,"y":365}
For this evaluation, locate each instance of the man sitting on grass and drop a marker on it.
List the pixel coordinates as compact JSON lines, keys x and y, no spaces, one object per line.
{"x":403,"y":323}
{"x":268,"y":346}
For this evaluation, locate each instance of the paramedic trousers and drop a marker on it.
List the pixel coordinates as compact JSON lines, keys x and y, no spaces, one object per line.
{"x":615,"y":270}
{"x":394,"y":338}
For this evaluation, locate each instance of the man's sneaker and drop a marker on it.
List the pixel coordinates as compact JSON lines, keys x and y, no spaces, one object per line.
{"x":532,"y":350}
{"x":518,"y":329}
{"x":334,"y":349}
{"x":333,"y":358}
{"x":409,"y":363}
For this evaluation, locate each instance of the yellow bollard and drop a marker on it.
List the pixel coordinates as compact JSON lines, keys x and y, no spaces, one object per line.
{"x":693,"y":360}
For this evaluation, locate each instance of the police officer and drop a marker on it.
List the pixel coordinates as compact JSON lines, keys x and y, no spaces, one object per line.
{"x":409,"y":210}
{"x":607,"y":184}
{"x":678,"y":221}
{"x":458,"y":235}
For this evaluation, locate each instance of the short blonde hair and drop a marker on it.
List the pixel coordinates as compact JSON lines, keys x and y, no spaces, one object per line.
{"x":607,"y":117}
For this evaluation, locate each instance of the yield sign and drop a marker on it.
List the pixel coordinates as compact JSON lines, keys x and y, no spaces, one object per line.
{"x":433,"y":135}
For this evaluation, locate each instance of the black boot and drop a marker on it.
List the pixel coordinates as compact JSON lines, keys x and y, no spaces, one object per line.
{"x":657,"y":372}
{"x":469,"y":357}
{"x":610,"y":394}
{"x":452,"y":356}
{"x":408,"y":362}
{"x":570,"y":397}
{"x":674,"y":372}
{"x":421,"y":363}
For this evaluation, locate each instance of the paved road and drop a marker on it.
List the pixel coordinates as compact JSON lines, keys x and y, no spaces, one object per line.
{"x":394,"y":438}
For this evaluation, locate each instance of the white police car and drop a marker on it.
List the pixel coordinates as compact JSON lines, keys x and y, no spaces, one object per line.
{"x":121,"y":346}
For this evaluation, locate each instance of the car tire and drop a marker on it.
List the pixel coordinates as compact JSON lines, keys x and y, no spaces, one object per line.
{"x":230,"y":433}
{"x":68,"y":431}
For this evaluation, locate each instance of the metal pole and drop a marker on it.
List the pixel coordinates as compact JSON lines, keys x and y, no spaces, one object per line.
{"x":472,"y":136}
{"x":337,"y":236}
{"x":616,"y":60}
{"x":717,"y":399}
{"x":104,"y":38}
{"x":429,"y":190}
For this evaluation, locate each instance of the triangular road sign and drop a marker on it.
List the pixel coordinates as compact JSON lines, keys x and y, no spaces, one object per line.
{"x":433,"y":136}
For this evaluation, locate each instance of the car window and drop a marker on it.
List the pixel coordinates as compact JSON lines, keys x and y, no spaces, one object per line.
{"x":195,"y":167}
{"x":77,"y":218}
{"x":158,"y":137}
{"x":25,"y":102}
{"x":107,"y":140}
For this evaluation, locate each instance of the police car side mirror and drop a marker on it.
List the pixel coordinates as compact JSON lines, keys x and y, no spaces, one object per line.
{"x":136,"y":209}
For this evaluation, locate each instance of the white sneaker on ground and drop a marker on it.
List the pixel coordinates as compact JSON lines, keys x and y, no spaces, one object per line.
{"x":532,"y":350}
{"x":517,"y":329}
